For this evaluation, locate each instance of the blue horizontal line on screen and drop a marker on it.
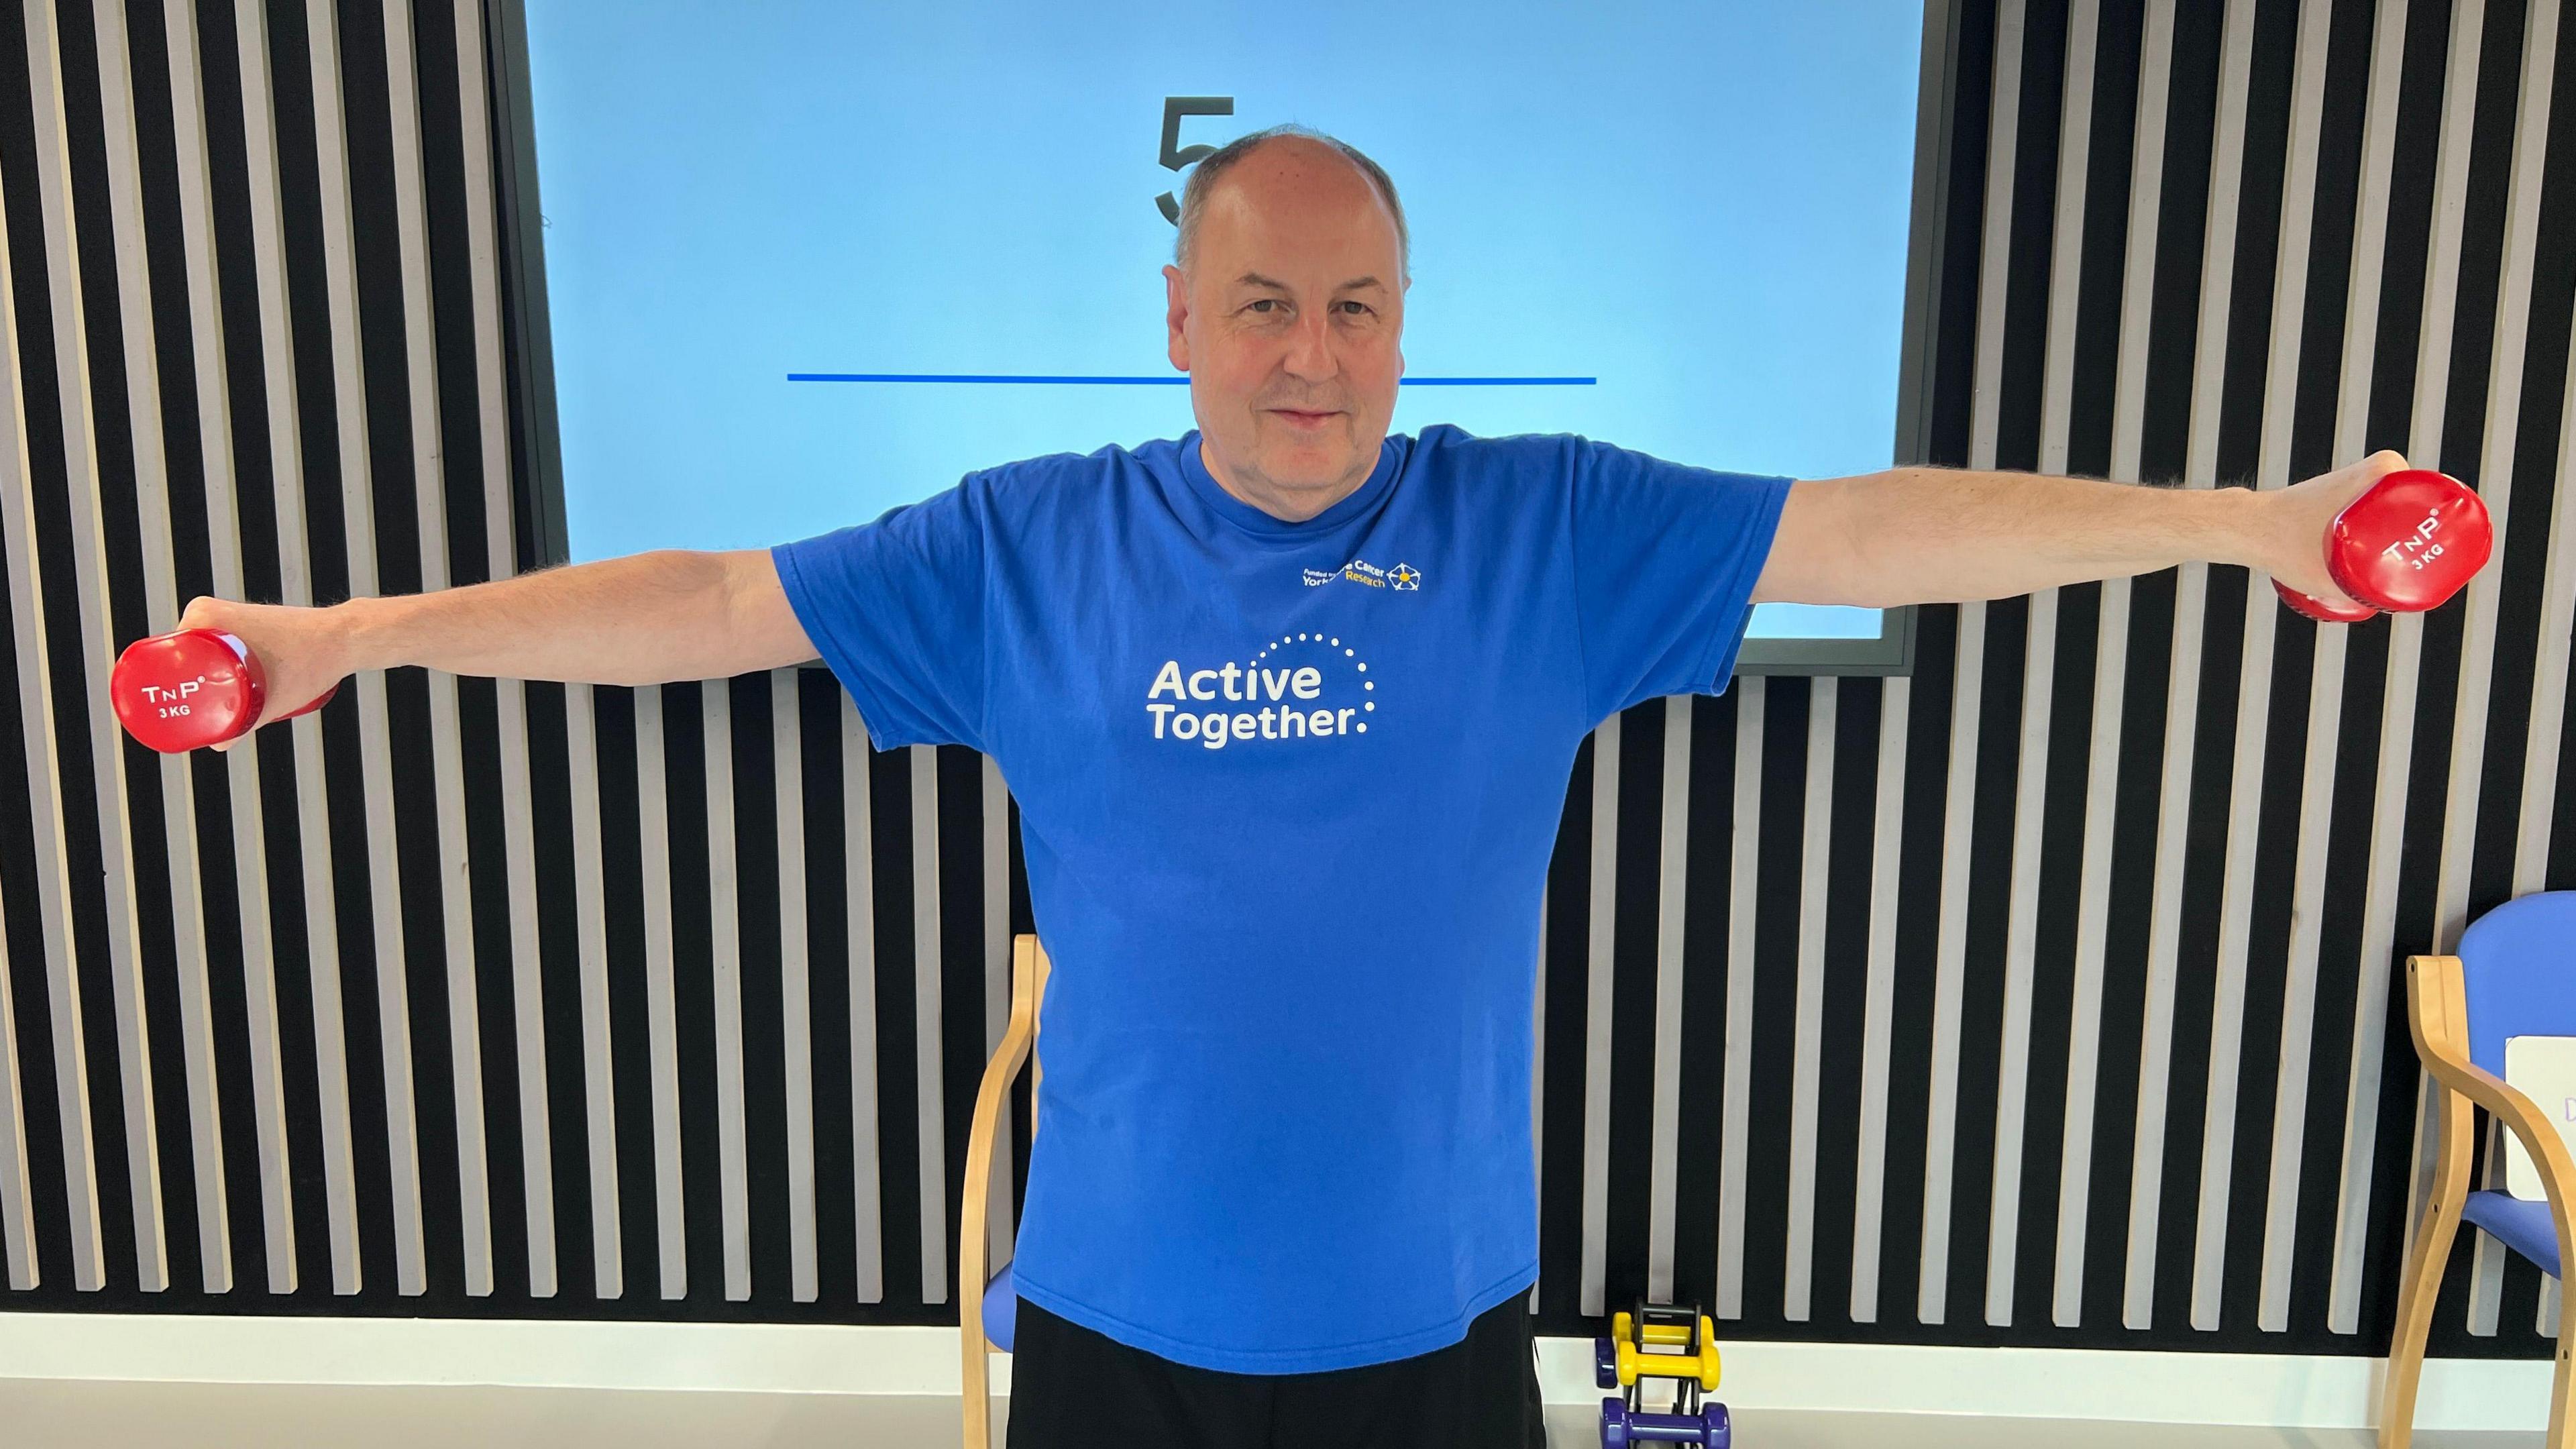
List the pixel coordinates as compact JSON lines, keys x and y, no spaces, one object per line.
{"x":1004,"y":377}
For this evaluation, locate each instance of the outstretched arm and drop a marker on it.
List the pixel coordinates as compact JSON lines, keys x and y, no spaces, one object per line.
{"x":647,"y":618}
{"x":1923,"y":535}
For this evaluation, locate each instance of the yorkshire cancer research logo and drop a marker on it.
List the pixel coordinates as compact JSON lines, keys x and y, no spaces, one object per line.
{"x":1294,"y":690}
{"x":1403,"y":578}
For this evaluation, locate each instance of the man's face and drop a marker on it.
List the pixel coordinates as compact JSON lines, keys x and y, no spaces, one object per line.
{"x":1268,"y":326}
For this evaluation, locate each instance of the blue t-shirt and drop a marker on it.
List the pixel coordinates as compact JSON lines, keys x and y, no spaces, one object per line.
{"x":1287,"y":796}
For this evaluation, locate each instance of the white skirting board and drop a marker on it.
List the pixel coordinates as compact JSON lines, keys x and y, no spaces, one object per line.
{"x":2286,"y":1390}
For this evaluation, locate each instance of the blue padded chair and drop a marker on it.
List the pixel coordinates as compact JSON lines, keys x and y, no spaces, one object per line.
{"x":2515,"y":976}
{"x":985,"y":1319}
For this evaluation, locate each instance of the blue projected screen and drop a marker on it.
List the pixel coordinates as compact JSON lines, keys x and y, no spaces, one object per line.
{"x":1684,"y":224}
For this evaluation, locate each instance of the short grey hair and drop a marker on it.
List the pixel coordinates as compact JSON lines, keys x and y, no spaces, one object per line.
{"x":1203,"y":179}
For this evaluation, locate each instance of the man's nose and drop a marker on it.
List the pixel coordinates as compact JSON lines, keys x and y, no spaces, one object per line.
{"x":1310,"y":348}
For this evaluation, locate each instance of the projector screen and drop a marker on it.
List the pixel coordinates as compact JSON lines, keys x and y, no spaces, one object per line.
{"x":808,"y":261}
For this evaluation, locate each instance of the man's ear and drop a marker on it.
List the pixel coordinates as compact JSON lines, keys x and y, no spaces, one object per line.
{"x":1176,"y":317}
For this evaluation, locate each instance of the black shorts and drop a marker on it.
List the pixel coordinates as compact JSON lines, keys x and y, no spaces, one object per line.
{"x":1073,"y":1388}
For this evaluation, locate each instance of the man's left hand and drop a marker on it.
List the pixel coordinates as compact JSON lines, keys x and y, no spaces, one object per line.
{"x":2290,"y":543}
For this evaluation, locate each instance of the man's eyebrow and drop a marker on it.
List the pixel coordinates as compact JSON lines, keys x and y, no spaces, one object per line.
{"x":1255,"y":279}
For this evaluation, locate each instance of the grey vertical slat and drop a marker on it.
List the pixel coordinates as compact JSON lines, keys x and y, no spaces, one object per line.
{"x":1597,"y":1003}
{"x":155,"y":523}
{"x":1869,"y":1193}
{"x":2012,"y":1084}
{"x":653,"y":816}
{"x":84,"y":491}
{"x":930,"y":1061}
{"x":2405,"y":657}
{"x":2496,"y":468}
{"x":2426,"y":424}
{"x":859,"y":890}
{"x":527,"y":981}
{"x":17,"y":1210}
{"x":2549,"y":672}
{"x":2066,"y":239}
{"x":1994,"y":265}
{"x":2353,"y":400}
{"x":795,"y":993}
{"x":724,"y":916}
{"x":1743,"y":876}
{"x":223,"y":526}
{"x":1940,"y":1136}
{"x":1940,"y":50}
{"x":36,"y":717}
{"x":510,"y":698}
{"x":2182,"y":709}
{"x":2486,"y":1260}
{"x":598,"y":1044}
{"x":2110,"y":673}
{"x":2281,"y":375}
{"x":375,"y":756}
{"x":1001,"y":1223}
{"x":511,"y":708}
{"x":447,"y":770}
{"x":2039,"y":673}
{"x":1672,"y":897}
{"x":302,"y":736}
{"x":1808,"y":1049}
{"x":2503,"y":424}
{"x":2325,"y":699}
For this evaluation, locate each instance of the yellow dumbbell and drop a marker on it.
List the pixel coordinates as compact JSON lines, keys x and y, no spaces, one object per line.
{"x":1624,"y":1344}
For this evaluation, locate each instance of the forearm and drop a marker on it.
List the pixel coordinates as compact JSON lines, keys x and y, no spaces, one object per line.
{"x":1942,"y":535}
{"x":646,"y":618}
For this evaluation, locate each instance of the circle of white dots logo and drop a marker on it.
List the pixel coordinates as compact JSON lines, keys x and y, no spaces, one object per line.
{"x":1361,"y":726}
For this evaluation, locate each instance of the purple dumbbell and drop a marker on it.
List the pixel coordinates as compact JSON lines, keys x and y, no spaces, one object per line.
{"x":1621,"y":1427}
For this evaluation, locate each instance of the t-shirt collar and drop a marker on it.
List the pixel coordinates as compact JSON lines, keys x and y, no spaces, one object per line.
{"x":1390,"y":458}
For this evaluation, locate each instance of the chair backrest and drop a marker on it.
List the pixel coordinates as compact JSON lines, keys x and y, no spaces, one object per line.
{"x":1029,"y":968}
{"x":1037,"y":1038}
{"x":2518,"y":974}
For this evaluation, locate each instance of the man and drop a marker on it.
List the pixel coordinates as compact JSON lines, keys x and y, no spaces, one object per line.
{"x":1288,"y":707}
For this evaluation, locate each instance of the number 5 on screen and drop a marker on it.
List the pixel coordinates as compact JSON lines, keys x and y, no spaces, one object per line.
{"x":1175,"y":155}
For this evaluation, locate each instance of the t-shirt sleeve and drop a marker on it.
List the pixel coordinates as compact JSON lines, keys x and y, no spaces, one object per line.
{"x":896,"y":608}
{"x":1665,"y":559}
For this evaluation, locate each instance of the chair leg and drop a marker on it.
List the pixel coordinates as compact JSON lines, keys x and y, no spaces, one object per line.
{"x":2452,"y":1120}
{"x":2422,"y":1285}
{"x":979,"y":1404}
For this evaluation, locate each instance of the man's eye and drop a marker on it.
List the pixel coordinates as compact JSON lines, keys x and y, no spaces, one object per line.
{"x":1273,"y":302}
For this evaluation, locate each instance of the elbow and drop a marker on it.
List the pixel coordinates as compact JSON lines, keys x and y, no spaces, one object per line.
{"x":1821,"y":552}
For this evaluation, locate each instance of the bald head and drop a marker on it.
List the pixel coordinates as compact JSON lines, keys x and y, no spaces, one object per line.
{"x":1287,"y":312}
{"x":1285,"y":167}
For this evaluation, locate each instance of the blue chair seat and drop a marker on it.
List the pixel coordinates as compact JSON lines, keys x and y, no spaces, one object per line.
{"x":1002,"y":1301}
{"x":2522,"y":1226}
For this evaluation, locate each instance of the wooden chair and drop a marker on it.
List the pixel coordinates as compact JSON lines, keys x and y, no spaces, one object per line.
{"x":987,"y":1308}
{"x":2515,"y":976}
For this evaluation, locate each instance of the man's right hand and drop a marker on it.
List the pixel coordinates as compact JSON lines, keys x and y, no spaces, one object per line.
{"x":303,"y":651}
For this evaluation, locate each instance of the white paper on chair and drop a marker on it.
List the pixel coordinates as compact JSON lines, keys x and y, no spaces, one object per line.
{"x":2542,"y":1068}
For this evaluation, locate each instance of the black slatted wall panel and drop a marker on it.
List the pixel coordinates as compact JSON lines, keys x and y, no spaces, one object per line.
{"x":2044,"y":997}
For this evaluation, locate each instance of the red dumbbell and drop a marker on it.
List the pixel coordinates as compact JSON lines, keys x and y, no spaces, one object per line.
{"x":197,"y":687}
{"x":2407,"y":545}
